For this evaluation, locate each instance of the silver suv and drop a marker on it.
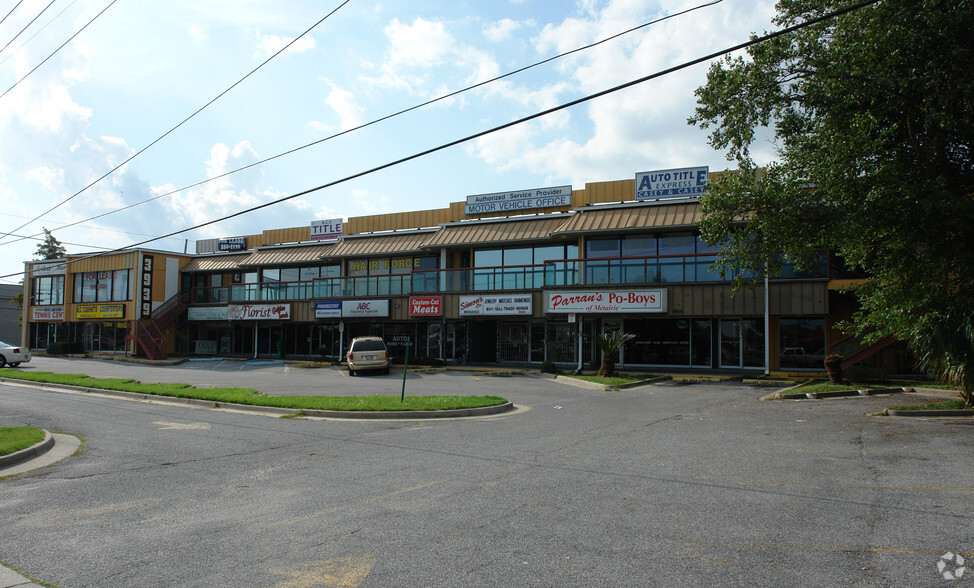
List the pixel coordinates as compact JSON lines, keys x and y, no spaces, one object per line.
{"x":367,"y":353}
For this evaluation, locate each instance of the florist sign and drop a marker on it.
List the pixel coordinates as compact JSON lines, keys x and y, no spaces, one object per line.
{"x":593,"y":301}
{"x":279,"y":312}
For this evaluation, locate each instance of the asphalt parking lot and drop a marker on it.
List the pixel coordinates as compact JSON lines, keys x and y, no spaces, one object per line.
{"x":662,"y":485}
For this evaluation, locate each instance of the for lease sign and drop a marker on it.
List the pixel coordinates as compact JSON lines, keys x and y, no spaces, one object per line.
{"x":613,"y":301}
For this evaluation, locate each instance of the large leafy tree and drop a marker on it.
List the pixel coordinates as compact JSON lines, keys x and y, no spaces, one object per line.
{"x":872,"y":116}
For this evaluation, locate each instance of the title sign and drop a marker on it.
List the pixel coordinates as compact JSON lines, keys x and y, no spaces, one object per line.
{"x":326,"y":230}
{"x":518,"y":201}
{"x":146,"y":289}
{"x":593,"y":301}
{"x":496,"y":305}
{"x":233,"y":244}
{"x":687,"y":182}
{"x":258,"y":312}
{"x":425,"y":306}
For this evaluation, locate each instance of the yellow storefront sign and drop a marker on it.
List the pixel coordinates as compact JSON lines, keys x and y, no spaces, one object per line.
{"x":99,"y":311}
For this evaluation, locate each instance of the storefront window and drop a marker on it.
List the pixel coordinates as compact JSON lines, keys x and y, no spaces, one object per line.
{"x":658,"y":342}
{"x":47,"y":290}
{"x":110,"y":286}
{"x":802,"y":343}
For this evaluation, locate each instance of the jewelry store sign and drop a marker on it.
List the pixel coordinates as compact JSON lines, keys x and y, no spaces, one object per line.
{"x":519,"y":201}
{"x":496,"y":305}
{"x":605,"y":301}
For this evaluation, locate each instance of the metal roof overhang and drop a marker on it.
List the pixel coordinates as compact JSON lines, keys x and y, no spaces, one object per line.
{"x":289,"y":255}
{"x":381,"y":244}
{"x":632,"y":218}
{"x":468,"y":233}
{"x":216,"y":263}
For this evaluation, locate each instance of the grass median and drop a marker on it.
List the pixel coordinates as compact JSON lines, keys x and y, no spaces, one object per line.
{"x":253,"y":397}
{"x":13,"y":439}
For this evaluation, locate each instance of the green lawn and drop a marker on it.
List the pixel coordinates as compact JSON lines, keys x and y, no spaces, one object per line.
{"x":13,"y":439}
{"x":617,"y":380}
{"x":253,"y":397}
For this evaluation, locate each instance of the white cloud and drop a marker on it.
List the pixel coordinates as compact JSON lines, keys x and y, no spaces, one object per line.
{"x":344,"y":104}
{"x":501,"y":30}
{"x":197,"y":34}
{"x":421,"y":44}
{"x":271,"y":44}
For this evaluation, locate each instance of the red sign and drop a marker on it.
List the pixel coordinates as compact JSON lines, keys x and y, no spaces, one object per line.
{"x":425,"y":306}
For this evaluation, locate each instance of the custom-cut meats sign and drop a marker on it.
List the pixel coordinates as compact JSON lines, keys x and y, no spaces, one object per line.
{"x":594,"y":301}
{"x":279,"y":312}
{"x":425,"y":306}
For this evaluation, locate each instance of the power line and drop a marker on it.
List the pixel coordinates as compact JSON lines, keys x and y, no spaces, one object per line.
{"x":19,"y":2}
{"x":384,"y":118}
{"x":39,"y":31}
{"x":441,"y":147}
{"x":167,"y":133}
{"x":27,"y":25}
{"x":54,"y":53}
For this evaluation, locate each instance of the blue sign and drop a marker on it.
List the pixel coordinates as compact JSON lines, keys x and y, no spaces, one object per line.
{"x":687,"y":182}
{"x":328,"y":309}
{"x":514,"y":202}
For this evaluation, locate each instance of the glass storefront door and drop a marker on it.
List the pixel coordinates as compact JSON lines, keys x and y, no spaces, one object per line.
{"x":730,"y":343}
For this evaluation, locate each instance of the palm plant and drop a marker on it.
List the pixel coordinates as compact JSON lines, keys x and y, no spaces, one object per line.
{"x":610,"y":343}
{"x":945,"y":345}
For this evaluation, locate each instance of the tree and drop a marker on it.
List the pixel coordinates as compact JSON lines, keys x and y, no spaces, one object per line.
{"x":609,"y":344}
{"x":872,"y":115}
{"x":50,"y":248}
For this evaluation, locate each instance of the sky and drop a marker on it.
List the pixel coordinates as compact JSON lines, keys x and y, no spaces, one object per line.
{"x":141,"y":68}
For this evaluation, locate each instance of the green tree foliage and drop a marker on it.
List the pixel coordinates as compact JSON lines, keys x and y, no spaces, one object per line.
{"x":609,"y":343}
{"x":50,"y":248}
{"x":872,"y":116}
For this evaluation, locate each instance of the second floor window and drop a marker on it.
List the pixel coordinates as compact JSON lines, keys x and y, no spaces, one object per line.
{"x":110,"y":286}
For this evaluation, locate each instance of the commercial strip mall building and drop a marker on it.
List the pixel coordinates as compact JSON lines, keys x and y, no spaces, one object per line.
{"x":516,"y":278}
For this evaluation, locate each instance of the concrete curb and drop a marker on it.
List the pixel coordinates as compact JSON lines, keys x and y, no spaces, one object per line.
{"x":931,"y":413}
{"x":31,"y":452}
{"x":844,"y":393}
{"x":605,"y":387}
{"x":256,"y":408}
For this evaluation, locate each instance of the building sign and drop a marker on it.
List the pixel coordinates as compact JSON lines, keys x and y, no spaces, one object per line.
{"x":146,"y":288}
{"x":688,"y":182}
{"x":49,"y":269}
{"x":365,"y":308}
{"x":398,"y":265}
{"x":99,"y":311}
{"x":598,"y":301}
{"x":496,"y":305}
{"x":425,"y":306}
{"x":48,"y":313}
{"x":326,"y":230}
{"x":232,"y":244}
{"x":518,"y":201}
{"x":208,"y":313}
{"x":259,"y":312}
{"x":328,"y":309}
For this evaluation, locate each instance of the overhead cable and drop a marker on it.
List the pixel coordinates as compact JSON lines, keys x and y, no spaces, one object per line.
{"x":441,"y":147}
{"x":381,"y":119}
{"x":167,"y":133}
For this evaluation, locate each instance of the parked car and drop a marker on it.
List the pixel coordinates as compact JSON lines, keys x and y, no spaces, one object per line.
{"x":12,"y":355}
{"x":367,"y":353}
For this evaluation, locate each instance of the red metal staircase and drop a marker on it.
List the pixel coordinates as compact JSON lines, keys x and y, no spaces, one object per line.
{"x":865,"y":352}
{"x":148,"y":332}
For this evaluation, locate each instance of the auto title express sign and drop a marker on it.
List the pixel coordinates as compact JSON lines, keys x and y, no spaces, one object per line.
{"x":596,"y":301}
{"x":687,"y":182}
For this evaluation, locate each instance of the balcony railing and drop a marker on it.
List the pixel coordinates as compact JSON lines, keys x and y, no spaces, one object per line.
{"x":610,"y":271}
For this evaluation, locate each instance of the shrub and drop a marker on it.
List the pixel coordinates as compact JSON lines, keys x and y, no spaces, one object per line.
{"x":549,"y":367}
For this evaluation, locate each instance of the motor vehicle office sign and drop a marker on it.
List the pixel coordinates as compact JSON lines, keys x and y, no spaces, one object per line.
{"x":518,"y":201}
{"x":687,"y":182}
{"x":496,"y":305}
{"x":602,"y":301}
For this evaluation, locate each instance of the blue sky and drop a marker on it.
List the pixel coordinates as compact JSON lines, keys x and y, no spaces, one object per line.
{"x":143,"y":67}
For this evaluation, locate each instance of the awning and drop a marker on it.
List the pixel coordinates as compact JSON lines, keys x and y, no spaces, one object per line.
{"x":294,"y":255}
{"x":632,"y":218}
{"x":465,"y":234}
{"x":216,"y":263}
{"x":391,"y":244}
